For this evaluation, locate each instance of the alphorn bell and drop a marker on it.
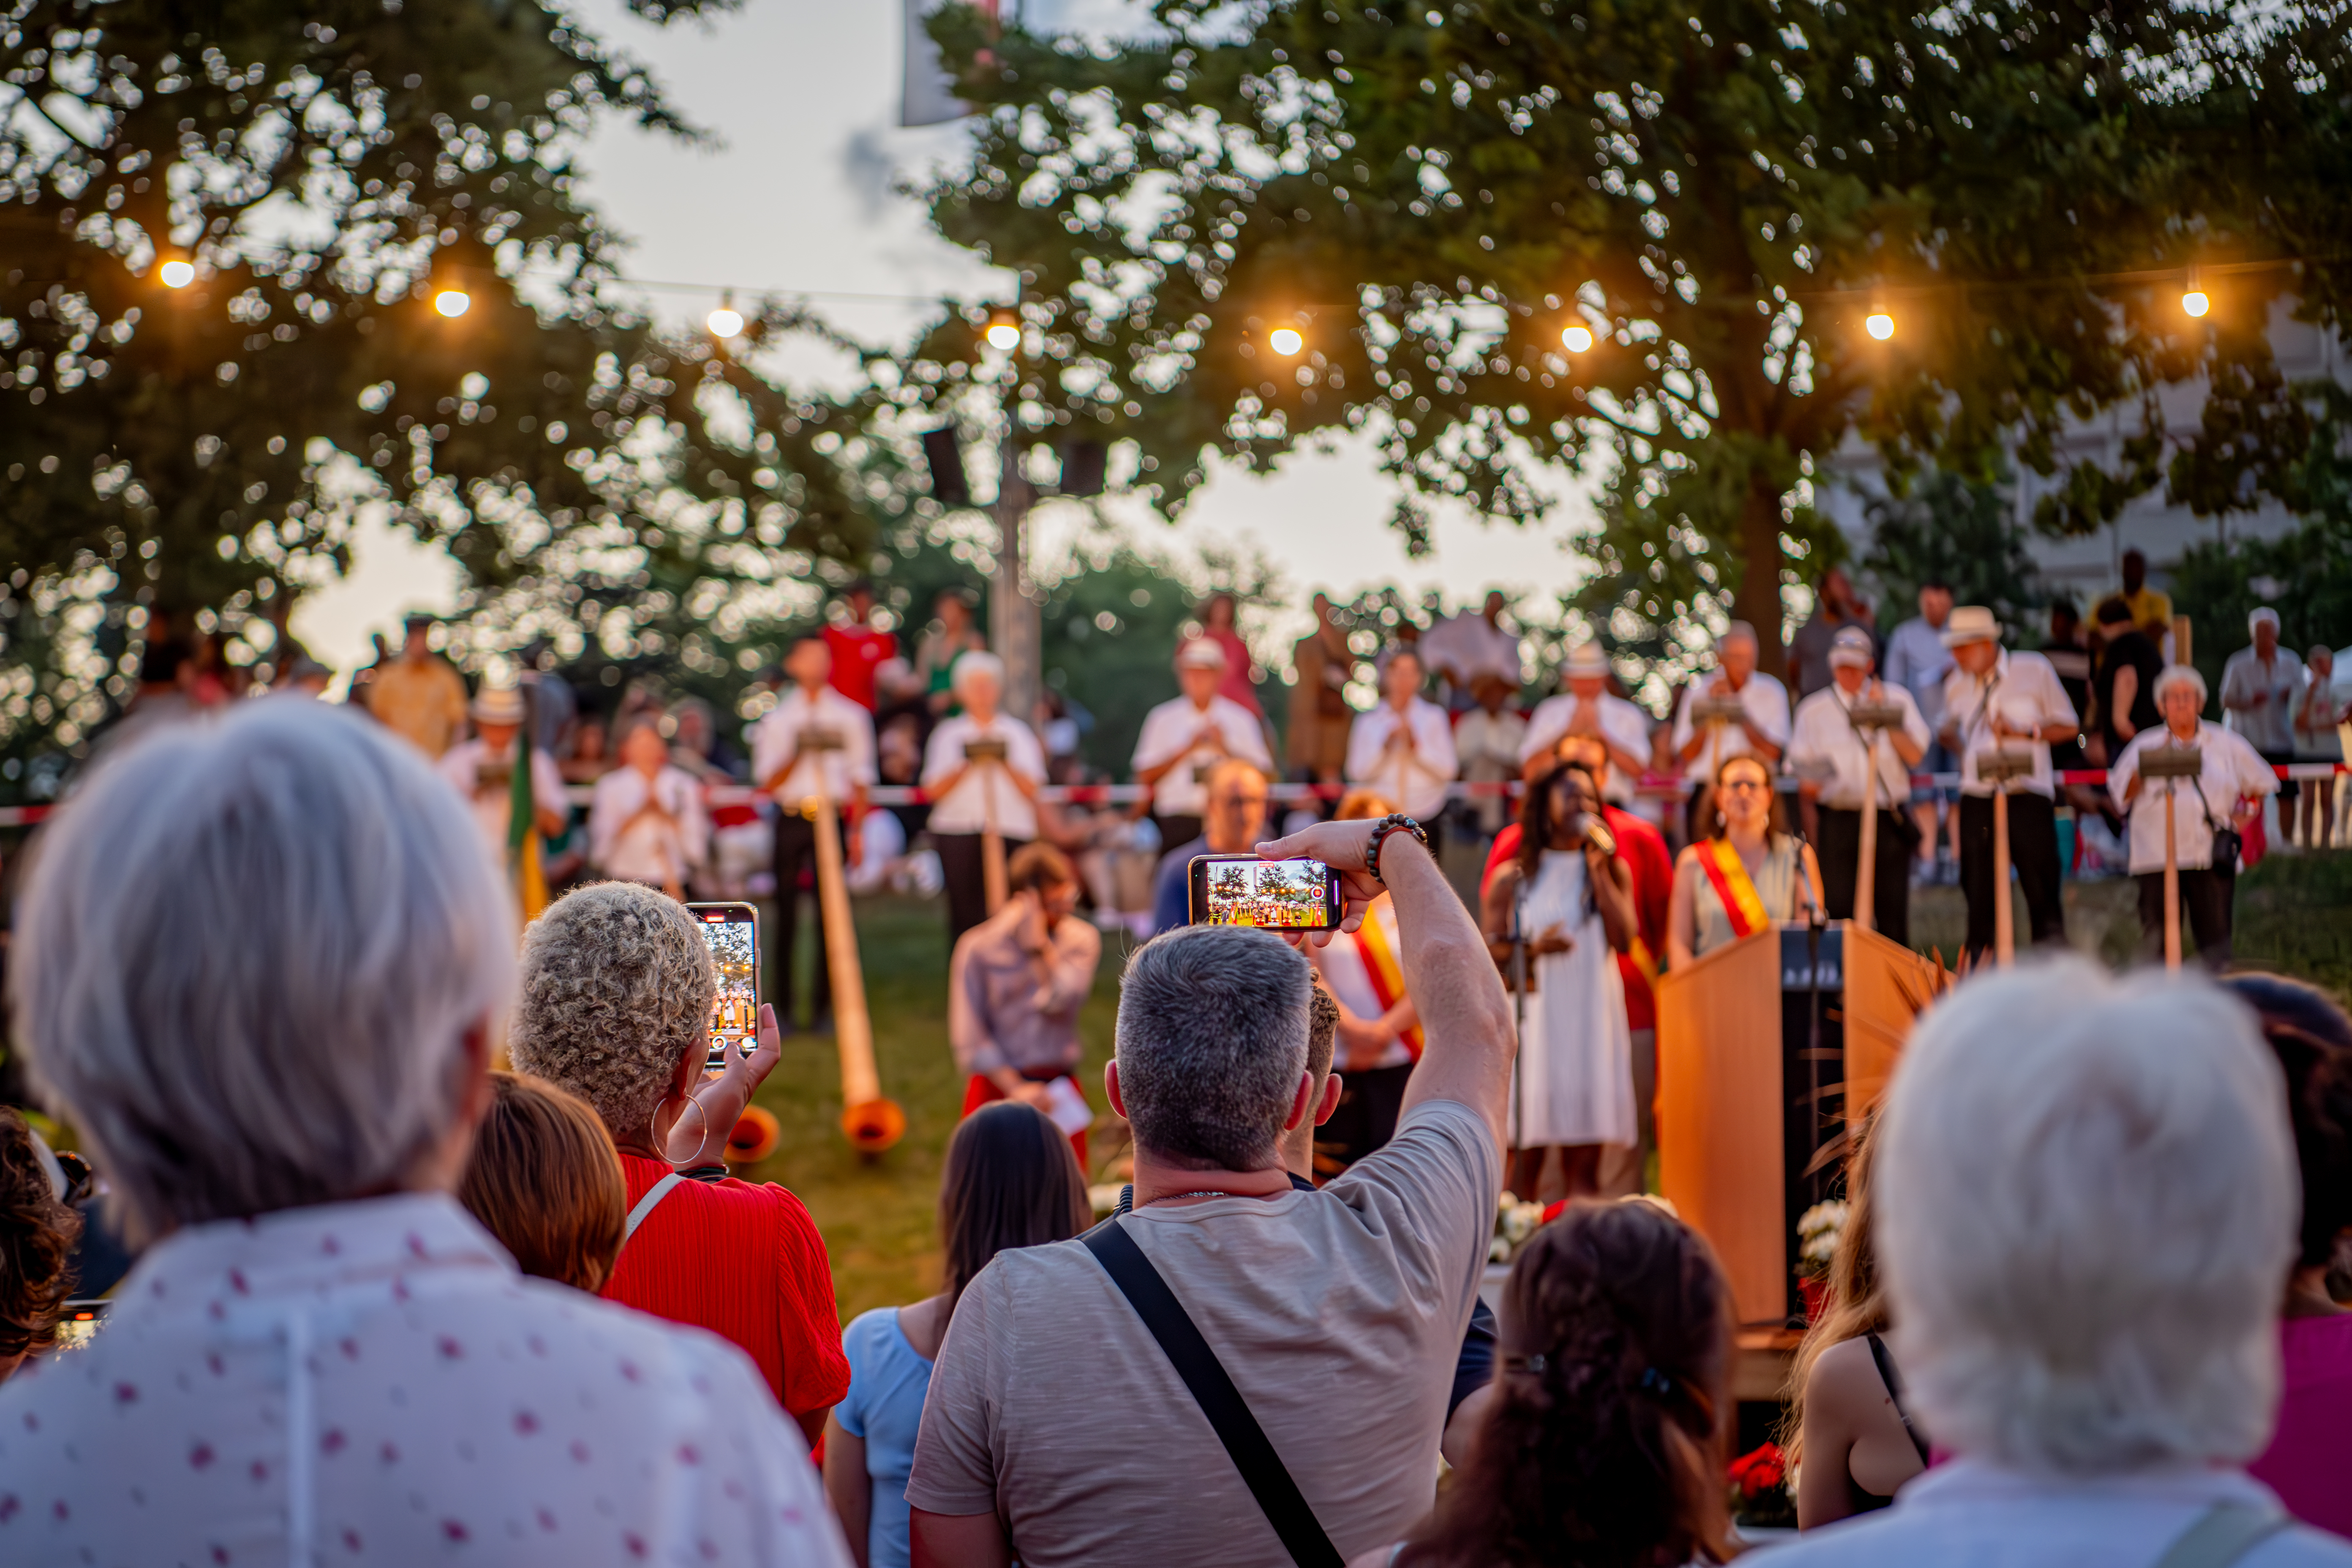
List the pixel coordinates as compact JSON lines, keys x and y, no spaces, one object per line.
{"x":987,"y":755}
{"x":2170,"y":762}
{"x":870,"y":1123}
{"x":1996,"y":768}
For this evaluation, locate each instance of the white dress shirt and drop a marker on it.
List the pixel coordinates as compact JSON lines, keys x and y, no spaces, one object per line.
{"x":1766,"y":701}
{"x":1917,"y":660}
{"x":831,"y":773}
{"x":1623,"y":725}
{"x":2228,"y":768}
{"x":1824,"y":744}
{"x":966,"y":807}
{"x":373,"y":1382}
{"x":475,"y":771}
{"x":631,"y":844}
{"x":2022,"y":689}
{"x":1415,"y":778}
{"x":1968,"y":1514}
{"x":1171,"y":732}
{"x":2270,"y":727}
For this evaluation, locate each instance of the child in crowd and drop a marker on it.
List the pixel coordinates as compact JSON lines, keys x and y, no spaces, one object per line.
{"x":544,"y":1180}
{"x":1010,"y":1180}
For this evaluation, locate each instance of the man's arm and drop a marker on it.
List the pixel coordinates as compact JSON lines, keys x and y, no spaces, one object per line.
{"x":957,"y":1540}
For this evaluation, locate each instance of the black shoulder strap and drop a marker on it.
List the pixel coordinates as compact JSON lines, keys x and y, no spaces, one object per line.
{"x":1246,"y":1441}
{"x":1887,"y":1374}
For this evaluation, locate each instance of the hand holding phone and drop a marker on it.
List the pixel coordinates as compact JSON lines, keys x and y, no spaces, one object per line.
{"x":1283,"y":895}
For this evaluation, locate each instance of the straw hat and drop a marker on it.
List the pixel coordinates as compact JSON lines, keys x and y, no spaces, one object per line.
{"x":499,"y":705}
{"x":1971,"y":622}
{"x":1587,"y":659}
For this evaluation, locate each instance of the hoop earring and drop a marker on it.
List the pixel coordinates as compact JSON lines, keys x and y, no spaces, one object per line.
{"x":663,"y":1143}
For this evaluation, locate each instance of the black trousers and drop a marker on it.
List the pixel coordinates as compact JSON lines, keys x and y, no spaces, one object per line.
{"x":2206,"y":898}
{"x":1365,"y":1119}
{"x":796,"y":848}
{"x":2033,"y":852}
{"x":961,"y":863}
{"x":1838,"y":847}
{"x":1175,"y":831}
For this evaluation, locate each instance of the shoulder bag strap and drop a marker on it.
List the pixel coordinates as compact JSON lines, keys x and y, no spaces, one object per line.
{"x":646,"y":1205}
{"x":2223,"y":1535}
{"x":1246,"y":1441}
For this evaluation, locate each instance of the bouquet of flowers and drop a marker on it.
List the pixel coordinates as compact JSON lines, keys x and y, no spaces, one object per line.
{"x":1514,"y":1222}
{"x":1760,"y":1489}
{"x":1817,"y":1230}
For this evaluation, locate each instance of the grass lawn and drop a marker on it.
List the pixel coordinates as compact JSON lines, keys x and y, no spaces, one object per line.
{"x":879,"y":1215}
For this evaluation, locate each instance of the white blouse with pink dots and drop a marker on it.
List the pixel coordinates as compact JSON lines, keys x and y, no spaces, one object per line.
{"x":374,"y":1383}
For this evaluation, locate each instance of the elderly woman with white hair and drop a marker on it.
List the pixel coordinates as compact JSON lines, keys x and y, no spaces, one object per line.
{"x":981,"y":770}
{"x":2210,"y":809}
{"x":2087,"y":1197}
{"x":260,"y":965}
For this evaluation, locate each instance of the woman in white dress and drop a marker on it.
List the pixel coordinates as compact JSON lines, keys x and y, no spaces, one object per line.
{"x":1569,"y":899}
{"x":647,"y":823}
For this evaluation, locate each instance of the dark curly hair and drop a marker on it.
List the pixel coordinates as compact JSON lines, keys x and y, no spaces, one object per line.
{"x":1605,"y":1443}
{"x":2312,"y":1039}
{"x":36,"y":1238}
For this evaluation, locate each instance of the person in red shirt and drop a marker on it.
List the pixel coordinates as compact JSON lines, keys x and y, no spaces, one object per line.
{"x":615,"y":1005}
{"x":858,"y":647}
{"x":1644,"y":849}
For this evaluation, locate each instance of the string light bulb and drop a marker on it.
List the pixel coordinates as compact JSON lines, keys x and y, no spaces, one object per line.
{"x":453,"y":302}
{"x":1576,"y":339}
{"x":1879,"y":325}
{"x":726,"y":322}
{"x":2194,"y":300}
{"x":1285,"y":341}
{"x":1003,"y":331}
{"x":178,"y":273}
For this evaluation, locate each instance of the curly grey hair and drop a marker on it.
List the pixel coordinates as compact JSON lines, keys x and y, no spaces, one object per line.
{"x":616,"y":986}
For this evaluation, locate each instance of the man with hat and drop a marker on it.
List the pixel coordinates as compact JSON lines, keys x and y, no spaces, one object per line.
{"x":1830,"y":757}
{"x":1588,"y":709}
{"x":418,"y":696}
{"x":1184,"y":737}
{"x":817,"y":741}
{"x":483,"y":771}
{"x":1996,"y":701}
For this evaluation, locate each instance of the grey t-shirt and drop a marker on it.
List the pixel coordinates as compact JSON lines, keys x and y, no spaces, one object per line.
{"x":1337,"y":1314}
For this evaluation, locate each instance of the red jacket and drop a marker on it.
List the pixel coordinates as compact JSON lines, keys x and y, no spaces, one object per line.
{"x":1644,"y":849}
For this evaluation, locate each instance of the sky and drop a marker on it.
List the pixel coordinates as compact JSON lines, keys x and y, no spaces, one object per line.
{"x":797,"y":189}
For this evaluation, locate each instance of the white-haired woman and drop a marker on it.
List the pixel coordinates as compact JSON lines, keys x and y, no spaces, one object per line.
{"x":615,"y":1000}
{"x":982,"y":771}
{"x":260,"y":965}
{"x":2226,"y":793}
{"x":2086,"y":1200}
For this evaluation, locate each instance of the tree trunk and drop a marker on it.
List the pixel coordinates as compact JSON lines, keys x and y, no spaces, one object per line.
{"x":1757,"y":599}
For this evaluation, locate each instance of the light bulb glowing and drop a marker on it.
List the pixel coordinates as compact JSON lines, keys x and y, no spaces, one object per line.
{"x":178,"y":274}
{"x":1003,"y":336}
{"x":725,"y":322}
{"x":1285,"y":340}
{"x":2195,"y":302}
{"x":1576,"y":339}
{"x":1880,"y":325}
{"x":453,"y":302}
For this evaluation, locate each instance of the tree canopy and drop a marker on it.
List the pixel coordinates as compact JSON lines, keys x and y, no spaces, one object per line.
{"x":324,"y":175}
{"x":1719,"y":194}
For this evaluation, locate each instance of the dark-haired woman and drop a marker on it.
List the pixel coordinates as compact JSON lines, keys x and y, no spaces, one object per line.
{"x":1569,"y":900}
{"x":1745,"y":875}
{"x":1605,"y":1438}
{"x":2311,"y":1446}
{"x":36,"y":1238}
{"x":1010,"y":1180}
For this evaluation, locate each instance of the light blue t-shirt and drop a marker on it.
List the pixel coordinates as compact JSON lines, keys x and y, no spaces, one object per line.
{"x":884,"y":1406}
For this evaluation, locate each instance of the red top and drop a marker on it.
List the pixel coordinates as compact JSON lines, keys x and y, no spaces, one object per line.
{"x":857,"y":651}
{"x":1644,"y":849}
{"x":746,"y":1263}
{"x":2311,"y":1450}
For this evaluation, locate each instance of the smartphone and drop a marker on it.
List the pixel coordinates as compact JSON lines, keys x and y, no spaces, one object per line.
{"x":1281,"y":895}
{"x":733,"y":931}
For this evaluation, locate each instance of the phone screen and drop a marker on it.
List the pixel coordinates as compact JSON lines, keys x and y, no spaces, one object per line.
{"x":733,"y":931}
{"x":1282,"y":894}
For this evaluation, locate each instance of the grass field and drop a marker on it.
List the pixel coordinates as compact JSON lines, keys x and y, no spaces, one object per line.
{"x":878,"y":1216}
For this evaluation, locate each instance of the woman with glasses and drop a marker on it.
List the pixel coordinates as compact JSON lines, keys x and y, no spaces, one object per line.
{"x":1748,"y":874}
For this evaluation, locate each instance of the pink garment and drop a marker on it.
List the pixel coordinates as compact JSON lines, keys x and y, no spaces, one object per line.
{"x":1238,"y":684}
{"x":2310,"y":1454}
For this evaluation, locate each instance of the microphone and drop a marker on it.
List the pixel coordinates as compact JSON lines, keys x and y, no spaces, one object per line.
{"x":1596,"y":832}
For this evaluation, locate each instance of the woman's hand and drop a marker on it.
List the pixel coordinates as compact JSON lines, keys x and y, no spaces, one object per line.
{"x":721,"y":1099}
{"x":1551,"y":940}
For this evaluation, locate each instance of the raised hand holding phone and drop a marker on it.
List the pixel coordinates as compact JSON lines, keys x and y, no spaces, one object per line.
{"x":689,"y":1139}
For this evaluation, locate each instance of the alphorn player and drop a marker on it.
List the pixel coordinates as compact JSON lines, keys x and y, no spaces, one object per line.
{"x":1998,"y":701}
{"x":815,"y":741}
{"x":981,"y":770}
{"x":2217,"y":801}
{"x":1848,"y":763}
{"x":1739,"y":711}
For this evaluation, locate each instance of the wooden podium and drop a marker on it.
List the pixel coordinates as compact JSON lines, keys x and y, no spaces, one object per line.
{"x":1747,"y":1101}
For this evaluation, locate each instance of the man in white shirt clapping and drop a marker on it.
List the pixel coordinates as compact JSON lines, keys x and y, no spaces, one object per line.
{"x":1404,"y":747}
{"x":1588,"y":708}
{"x":813,"y":743}
{"x":1184,"y":737}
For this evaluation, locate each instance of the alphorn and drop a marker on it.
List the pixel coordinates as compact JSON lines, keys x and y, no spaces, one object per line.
{"x":2168,"y":763}
{"x":1996,"y":768}
{"x":987,"y":755}
{"x":1874,"y":719}
{"x":871,"y":1122}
